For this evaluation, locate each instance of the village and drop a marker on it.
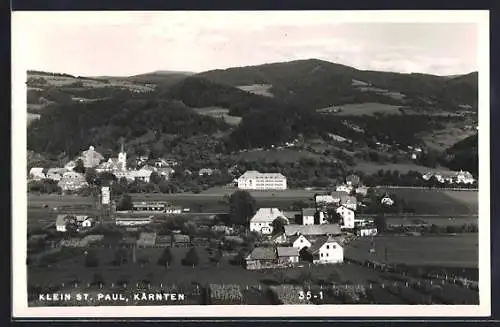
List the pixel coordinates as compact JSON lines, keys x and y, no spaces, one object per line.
{"x":125,"y":232}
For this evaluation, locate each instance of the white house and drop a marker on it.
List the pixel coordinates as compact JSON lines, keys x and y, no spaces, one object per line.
{"x":367,"y":231}
{"x":61,"y":223}
{"x":349,"y":202}
{"x":142,"y":174}
{"x":91,"y":158}
{"x":465,"y":177}
{"x":347,"y":216}
{"x":327,"y":250}
{"x":299,"y":242}
{"x":254,"y":180}
{"x":308,"y":216}
{"x":55,"y":174}
{"x":287,"y":254}
{"x":71,"y":181}
{"x":36,"y":173}
{"x":331,"y":198}
{"x":387,"y":201}
{"x":344,"y":188}
{"x":262,"y":221}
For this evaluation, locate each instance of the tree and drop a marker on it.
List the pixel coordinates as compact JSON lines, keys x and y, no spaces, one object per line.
{"x":380,"y":223}
{"x":125,"y":203}
{"x":305,"y":255}
{"x":165,"y":258}
{"x":279,"y":225}
{"x":155,"y":178}
{"x":191,"y":258}
{"x":332,"y":216}
{"x":242,"y":207}
{"x":91,"y":176}
{"x":120,"y":257}
{"x":79,"y":168}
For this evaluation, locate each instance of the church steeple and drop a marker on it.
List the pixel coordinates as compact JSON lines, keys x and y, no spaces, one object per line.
{"x":122,"y":156}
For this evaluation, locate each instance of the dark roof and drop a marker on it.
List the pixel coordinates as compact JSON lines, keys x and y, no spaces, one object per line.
{"x":293,"y":229}
{"x":287,"y":251}
{"x":308,"y":211}
{"x":261,"y":253}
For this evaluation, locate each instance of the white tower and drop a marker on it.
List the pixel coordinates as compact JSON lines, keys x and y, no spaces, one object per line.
{"x":122,"y":158}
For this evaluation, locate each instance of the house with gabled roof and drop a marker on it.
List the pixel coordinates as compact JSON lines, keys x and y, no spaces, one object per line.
{"x":262,"y":221}
{"x":287,"y":254}
{"x":327,"y":250}
{"x":36,"y":173}
{"x":261,"y":258}
{"x":349,"y":201}
{"x":312,"y":230}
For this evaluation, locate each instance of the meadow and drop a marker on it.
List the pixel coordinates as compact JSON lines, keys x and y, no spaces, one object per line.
{"x":447,"y":251}
{"x":432,"y":201}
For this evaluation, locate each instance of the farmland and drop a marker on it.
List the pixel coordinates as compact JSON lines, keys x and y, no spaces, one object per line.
{"x":368,"y":108}
{"x":457,"y":251}
{"x":218,"y":112}
{"x":437,"y":201}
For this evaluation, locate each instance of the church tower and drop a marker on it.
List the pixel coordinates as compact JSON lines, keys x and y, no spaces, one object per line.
{"x":122,"y":158}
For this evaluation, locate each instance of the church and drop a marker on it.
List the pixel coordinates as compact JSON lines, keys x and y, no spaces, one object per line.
{"x":114,"y":164}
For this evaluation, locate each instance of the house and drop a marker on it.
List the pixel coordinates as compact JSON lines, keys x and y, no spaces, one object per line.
{"x":164,"y":240}
{"x":299,"y":242}
{"x":287,"y":254}
{"x":262,"y":221}
{"x":387,"y":201}
{"x":146,"y":240}
{"x":344,"y":188}
{"x":70,"y":165}
{"x":165,"y":162}
{"x":367,"y":231}
{"x":155,"y":207}
{"x":310,"y":216}
{"x":254,"y":180}
{"x":141,"y":161}
{"x":347,"y":216}
{"x":349,"y":202}
{"x":332,"y":198}
{"x":353,"y":180}
{"x":279,"y":238}
{"x":327,"y":250}
{"x":61,"y":221}
{"x":80,"y":221}
{"x":165,"y":172}
{"x":362,"y":190}
{"x":173,"y":210}
{"x":222,"y":229}
{"x":181,"y":240}
{"x":142,"y":174}
{"x":91,"y":158}
{"x":36,"y":174}
{"x":132,"y":221}
{"x":464,"y":177}
{"x":205,"y":172}
{"x":261,"y":258}
{"x":312,"y":230}
{"x":55,"y":174}
{"x":72,"y":181}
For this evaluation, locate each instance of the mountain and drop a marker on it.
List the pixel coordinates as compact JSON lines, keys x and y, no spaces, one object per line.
{"x":164,"y":78}
{"x":317,"y":84}
{"x":463,"y":155}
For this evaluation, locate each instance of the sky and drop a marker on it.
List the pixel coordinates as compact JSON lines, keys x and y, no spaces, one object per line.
{"x":129,"y":43}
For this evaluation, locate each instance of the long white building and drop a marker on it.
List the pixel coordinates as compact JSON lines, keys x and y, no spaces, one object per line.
{"x":254,"y":180}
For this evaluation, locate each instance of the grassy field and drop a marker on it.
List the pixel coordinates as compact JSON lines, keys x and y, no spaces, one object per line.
{"x":219,"y":112}
{"x":280,"y":155}
{"x":455,"y":251}
{"x":373,"y":167}
{"x":369,"y":108}
{"x":438,"y":201}
{"x":259,"y":89}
